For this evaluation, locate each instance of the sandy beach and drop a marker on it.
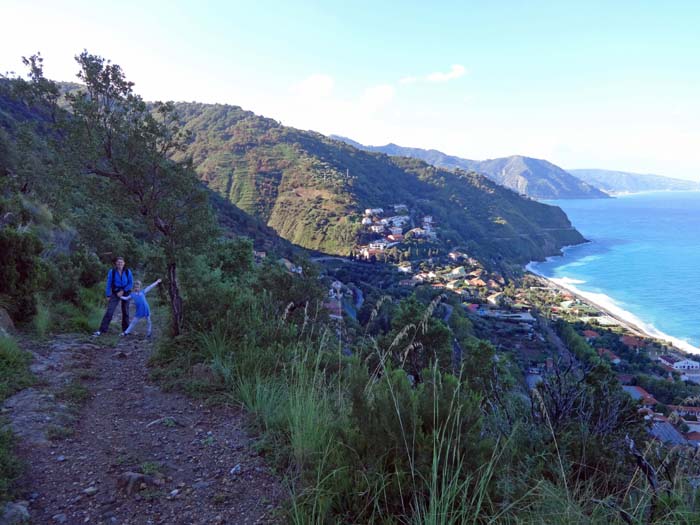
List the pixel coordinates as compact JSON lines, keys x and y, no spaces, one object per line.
{"x":622,"y":317}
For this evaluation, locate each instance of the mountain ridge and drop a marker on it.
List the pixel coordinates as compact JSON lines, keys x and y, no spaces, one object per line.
{"x":615,"y":181}
{"x":536,"y":178}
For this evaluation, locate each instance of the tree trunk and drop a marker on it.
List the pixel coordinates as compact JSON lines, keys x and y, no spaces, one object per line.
{"x":175,"y":299}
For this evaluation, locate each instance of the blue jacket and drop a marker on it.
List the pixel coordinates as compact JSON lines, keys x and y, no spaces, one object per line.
{"x":116,"y":282}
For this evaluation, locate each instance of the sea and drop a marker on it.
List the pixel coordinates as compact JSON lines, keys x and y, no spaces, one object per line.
{"x":642,"y":262}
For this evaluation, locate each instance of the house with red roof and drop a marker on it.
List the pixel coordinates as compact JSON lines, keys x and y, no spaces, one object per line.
{"x":639,"y":394}
{"x":609,"y":355}
{"x":590,"y":335}
{"x":693,"y":437}
{"x":633,"y":342}
{"x":668,"y":359}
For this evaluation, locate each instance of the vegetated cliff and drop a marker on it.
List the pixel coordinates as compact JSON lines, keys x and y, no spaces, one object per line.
{"x":311,"y":189}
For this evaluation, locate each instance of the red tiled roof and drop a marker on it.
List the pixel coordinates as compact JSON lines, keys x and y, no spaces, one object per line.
{"x":590,"y":333}
{"x":625,"y":378}
{"x":608,"y":353}
{"x":693,"y":436}
{"x":632,"y":341}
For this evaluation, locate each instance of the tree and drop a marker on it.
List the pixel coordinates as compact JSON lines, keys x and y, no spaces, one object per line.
{"x":119,"y":137}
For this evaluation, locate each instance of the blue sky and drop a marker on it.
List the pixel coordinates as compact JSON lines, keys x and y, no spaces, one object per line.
{"x":584,"y":84}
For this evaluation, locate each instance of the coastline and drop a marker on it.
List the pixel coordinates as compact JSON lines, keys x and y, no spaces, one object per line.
{"x":606,"y":306}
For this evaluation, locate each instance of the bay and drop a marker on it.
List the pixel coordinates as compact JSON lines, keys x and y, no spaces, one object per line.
{"x":643,"y":261}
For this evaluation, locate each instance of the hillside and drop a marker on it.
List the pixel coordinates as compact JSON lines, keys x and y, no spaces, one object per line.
{"x":25,"y":144}
{"x":311,"y":189}
{"x":535,"y":178}
{"x":613,"y":182}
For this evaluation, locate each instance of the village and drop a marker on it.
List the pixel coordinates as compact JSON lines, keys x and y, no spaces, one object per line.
{"x":383,"y":230}
{"x":516,"y":319}
{"x":663,"y":379}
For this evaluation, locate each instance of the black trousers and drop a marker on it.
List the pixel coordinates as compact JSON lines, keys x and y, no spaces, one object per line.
{"x":111,"y":306}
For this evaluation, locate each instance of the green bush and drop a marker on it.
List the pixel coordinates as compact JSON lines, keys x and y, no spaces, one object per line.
{"x":14,"y":375}
{"x":21,"y":272}
{"x":10,"y":465}
{"x":68,"y":274}
{"x":14,"y":367}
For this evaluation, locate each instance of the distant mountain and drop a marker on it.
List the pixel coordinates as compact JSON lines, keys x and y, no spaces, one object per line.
{"x":532,"y":177}
{"x":312,"y":190}
{"x":613,"y":182}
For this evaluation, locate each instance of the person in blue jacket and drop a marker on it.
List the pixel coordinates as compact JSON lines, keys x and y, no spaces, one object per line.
{"x":143,"y":311}
{"x":119,"y":283}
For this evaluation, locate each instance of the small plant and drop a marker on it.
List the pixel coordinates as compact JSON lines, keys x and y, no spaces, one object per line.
{"x":150,"y":468}
{"x":208,"y":441}
{"x":74,"y":393}
{"x":125,"y":459}
{"x":42,"y":319}
{"x":219,"y":498}
{"x":86,"y":373}
{"x":57,"y":432}
{"x":152,"y":495}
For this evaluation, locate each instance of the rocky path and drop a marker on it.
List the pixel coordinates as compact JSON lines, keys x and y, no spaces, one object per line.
{"x":104,"y":445}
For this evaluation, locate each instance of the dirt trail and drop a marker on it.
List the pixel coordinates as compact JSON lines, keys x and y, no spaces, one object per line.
{"x":104,"y":445}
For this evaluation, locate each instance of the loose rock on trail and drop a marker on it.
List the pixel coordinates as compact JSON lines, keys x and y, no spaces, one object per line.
{"x":102,"y":444}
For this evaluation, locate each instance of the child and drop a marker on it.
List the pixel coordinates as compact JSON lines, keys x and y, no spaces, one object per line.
{"x":142,"y":308}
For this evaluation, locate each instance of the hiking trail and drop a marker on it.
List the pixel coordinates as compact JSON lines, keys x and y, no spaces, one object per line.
{"x":105,"y":445}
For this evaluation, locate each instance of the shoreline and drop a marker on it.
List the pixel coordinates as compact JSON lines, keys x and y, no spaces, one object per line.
{"x":623,"y":318}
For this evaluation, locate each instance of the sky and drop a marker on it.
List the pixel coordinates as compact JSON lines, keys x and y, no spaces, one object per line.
{"x":612,"y":85}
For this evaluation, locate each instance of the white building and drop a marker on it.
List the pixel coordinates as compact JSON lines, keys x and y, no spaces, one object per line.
{"x":686,"y":364}
{"x":399,"y":220}
{"x":366,"y":221}
{"x":377,"y":228}
{"x":374,"y":211}
{"x":378,"y":245}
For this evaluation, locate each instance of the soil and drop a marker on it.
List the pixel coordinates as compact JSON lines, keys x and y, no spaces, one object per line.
{"x":104,"y":444}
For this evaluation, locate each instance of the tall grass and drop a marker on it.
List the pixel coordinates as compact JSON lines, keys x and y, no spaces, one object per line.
{"x":41,"y":322}
{"x":360,"y":443}
{"x":217,"y":348}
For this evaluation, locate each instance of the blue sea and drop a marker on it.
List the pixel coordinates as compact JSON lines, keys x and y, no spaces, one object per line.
{"x":643,"y":261}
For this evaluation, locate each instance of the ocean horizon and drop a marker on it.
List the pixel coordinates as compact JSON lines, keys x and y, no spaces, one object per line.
{"x":642,"y":262}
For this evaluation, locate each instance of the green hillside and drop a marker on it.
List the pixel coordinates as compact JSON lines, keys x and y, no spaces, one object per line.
{"x":311,"y":189}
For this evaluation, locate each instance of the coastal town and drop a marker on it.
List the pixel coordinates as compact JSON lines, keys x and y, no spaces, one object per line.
{"x":517,"y":315}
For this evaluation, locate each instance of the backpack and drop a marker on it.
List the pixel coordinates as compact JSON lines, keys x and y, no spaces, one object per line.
{"x":125,"y":272}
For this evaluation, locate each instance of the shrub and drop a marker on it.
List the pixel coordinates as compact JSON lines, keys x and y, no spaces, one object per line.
{"x":21,"y":271}
{"x":14,"y":367}
{"x":10,"y":465}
